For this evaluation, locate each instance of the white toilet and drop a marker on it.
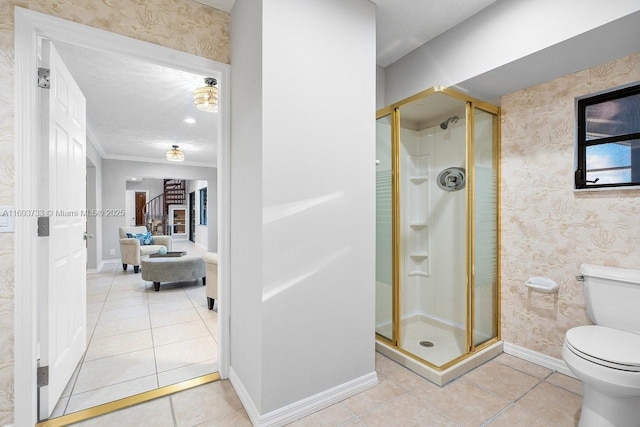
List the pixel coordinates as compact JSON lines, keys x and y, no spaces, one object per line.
{"x":606,"y":355}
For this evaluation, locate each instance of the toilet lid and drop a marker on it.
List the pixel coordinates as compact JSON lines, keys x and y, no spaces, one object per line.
{"x":606,"y":346}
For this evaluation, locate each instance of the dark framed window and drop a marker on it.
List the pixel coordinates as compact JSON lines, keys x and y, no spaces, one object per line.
{"x":203,"y":206}
{"x":609,"y":139}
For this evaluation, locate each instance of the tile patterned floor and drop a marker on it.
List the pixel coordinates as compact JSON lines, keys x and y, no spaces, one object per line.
{"x":506,"y":391}
{"x":138,"y":338}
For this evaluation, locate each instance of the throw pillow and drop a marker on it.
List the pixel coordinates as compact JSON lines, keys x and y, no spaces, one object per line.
{"x":145,"y":238}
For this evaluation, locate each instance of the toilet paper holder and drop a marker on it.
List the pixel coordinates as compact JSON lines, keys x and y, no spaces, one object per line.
{"x":542,"y":284}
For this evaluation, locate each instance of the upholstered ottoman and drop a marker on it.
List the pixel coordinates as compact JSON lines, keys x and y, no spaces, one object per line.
{"x":173,"y":269}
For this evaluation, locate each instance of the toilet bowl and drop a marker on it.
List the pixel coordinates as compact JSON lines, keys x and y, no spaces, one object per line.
{"x":606,"y":355}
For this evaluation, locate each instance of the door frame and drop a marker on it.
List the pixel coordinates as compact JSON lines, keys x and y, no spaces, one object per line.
{"x":135,"y":192}
{"x":135,"y":205}
{"x":192,"y":216}
{"x":30,"y":25}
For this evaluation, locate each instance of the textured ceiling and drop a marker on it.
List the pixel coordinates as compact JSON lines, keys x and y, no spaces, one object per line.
{"x":135,"y":110}
{"x":404,"y":25}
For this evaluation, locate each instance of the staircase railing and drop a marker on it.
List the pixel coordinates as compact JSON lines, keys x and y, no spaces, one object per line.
{"x":155,"y":217}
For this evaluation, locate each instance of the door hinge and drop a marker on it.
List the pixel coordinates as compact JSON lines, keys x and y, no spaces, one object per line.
{"x":43,"y":78}
{"x":43,"y":376}
{"x":43,"y":226}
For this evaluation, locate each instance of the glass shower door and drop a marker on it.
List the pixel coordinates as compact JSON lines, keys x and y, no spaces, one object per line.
{"x":485,"y":228}
{"x":384,"y":229}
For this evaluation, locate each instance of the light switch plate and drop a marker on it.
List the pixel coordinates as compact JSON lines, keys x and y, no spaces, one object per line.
{"x":6,"y":219}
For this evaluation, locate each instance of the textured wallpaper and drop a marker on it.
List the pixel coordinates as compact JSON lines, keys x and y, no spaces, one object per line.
{"x":547,"y":228}
{"x":179,"y":24}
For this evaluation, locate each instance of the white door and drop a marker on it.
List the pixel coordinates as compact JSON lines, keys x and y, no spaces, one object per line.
{"x":62,"y":292}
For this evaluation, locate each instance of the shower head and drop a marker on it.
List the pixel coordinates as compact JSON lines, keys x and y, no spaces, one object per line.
{"x":445,"y":124}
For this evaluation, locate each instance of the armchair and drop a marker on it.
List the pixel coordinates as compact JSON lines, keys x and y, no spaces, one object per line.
{"x":131,"y":250}
{"x":211,"y":265}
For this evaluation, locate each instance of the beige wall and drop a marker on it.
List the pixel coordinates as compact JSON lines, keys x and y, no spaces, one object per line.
{"x":547,"y":228}
{"x":179,"y":24}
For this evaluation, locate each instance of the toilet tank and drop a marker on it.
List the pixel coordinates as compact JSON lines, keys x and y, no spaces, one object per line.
{"x":612,"y":296}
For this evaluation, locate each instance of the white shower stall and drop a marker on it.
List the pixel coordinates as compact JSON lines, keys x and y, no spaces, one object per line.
{"x":436,"y":235}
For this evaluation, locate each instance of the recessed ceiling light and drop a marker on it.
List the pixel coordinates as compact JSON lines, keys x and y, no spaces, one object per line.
{"x":189,"y":120}
{"x":133,"y":178}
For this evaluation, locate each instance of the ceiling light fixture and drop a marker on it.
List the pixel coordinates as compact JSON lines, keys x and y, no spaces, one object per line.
{"x":189,"y":120}
{"x":206,"y":97}
{"x":175,"y":154}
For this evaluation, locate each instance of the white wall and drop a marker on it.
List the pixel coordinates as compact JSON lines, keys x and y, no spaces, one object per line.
{"x":508,"y":32}
{"x":201,"y":230}
{"x":380,"y":96}
{"x":311,"y":154}
{"x":246,"y":196}
{"x":114,"y":173}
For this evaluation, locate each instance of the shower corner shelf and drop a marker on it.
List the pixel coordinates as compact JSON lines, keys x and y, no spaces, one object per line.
{"x":418,"y":225}
{"x":419,"y":255}
{"x":418,"y":273}
{"x":418,"y":179}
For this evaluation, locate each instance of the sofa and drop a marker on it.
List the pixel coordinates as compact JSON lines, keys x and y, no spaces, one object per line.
{"x":211,"y":265}
{"x":131,"y":250}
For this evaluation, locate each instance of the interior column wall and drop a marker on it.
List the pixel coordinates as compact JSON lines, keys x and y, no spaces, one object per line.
{"x":318,"y":196}
{"x":246,"y":197}
{"x":303,"y":168}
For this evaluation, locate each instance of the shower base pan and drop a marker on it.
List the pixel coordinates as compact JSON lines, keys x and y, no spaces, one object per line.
{"x":441,"y":377}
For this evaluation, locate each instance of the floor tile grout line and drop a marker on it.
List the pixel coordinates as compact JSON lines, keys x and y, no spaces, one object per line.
{"x":524,"y":372}
{"x":153,"y":343}
{"x":173,"y":411}
{"x":498,"y":414}
{"x":203,"y":319}
{"x":118,"y":354}
{"x":482,"y":387}
{"x":110,"y":385}
{"x":561,"y":387}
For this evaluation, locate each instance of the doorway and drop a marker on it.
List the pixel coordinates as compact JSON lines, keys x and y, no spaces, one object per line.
{"x":141,"y":201}
{"x":29,"y":27}
{"x":192,"y":216}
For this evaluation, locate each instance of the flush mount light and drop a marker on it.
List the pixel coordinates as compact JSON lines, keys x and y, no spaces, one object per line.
{"x":175,"y":154}
{"x":206,"y":97}
{"x":189,"y":120}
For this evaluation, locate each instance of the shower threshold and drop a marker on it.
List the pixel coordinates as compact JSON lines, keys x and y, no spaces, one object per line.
{"x":441,"y":377}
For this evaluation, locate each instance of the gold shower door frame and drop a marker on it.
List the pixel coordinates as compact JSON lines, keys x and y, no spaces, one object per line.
{"x":472,"y":104}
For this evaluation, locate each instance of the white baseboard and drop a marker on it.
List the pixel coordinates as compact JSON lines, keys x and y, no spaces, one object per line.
{"x":538,"y":358}
{"x":101,"y":266}
{"x":304,"y":407}
{"x":244,"y":397}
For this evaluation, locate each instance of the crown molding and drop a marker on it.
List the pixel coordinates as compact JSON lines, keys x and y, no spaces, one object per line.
{"x":212,"y":164}
{"x":95,"y":141}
